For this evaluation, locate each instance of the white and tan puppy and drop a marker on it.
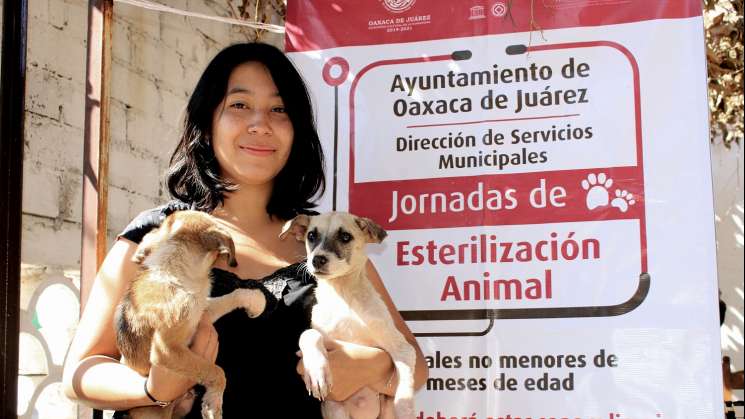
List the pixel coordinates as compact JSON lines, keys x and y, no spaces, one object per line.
{"x":160,"y":311}
{"x":349,"y":309}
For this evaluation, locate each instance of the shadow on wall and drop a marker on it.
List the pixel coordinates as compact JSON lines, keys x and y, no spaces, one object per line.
{"x":727,"y":176}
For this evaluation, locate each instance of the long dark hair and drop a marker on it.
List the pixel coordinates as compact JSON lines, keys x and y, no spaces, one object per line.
{"x":194,"y":173}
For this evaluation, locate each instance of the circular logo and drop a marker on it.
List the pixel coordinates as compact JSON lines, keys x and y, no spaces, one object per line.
{"x":398,"y":6}
{"x":499,"y":9}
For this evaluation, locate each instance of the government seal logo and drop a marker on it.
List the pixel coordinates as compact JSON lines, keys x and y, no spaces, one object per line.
{"x":499,"y":9}
{"x":398,"y":6}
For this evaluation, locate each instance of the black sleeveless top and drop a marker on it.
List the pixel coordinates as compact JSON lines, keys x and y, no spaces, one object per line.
{"x":257,"y":355}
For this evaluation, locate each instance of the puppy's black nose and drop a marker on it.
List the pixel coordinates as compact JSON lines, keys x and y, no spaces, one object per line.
{"x":319,"y":261}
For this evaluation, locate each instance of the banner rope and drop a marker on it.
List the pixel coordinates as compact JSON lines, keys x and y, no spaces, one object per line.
{"x":150,"y":5}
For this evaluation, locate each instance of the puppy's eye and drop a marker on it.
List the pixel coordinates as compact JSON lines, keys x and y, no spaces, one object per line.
{"x":312,"y":236}
{"x":345,"y":237}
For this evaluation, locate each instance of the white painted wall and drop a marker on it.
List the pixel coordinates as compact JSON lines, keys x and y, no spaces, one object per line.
{"x":727,"y":170}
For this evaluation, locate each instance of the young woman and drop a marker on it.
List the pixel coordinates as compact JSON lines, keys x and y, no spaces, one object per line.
{"x":249,"y":154}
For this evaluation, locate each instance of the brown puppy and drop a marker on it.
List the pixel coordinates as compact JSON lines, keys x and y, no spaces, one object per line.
{"x":159,"y":314}
{"x":349,"y":308}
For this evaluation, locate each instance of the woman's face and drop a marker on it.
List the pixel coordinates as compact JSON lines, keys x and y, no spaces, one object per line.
{"x":251,"y":132}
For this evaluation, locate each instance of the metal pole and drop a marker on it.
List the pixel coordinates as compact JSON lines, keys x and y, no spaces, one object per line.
{"x":96,"y":146}
{"x":12,"y":95}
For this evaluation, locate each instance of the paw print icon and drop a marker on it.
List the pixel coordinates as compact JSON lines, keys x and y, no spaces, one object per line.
{"x":623,"y":200}
{"x":597,"y":190}
{"x":598,"y":193}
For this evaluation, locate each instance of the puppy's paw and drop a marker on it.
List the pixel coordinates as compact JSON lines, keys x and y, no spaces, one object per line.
{"x":404,"y":409}
{"x":212,"y":405}
{"x":252,"y":300}
{"x":317,"y":376}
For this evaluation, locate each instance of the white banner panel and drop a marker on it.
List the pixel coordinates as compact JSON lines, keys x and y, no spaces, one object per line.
{"x":543,"y":174}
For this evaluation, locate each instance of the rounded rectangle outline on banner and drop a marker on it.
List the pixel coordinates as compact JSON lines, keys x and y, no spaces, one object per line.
{"x":644,"y":279}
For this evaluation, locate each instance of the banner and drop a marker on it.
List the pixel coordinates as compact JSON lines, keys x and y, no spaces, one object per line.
{"x":542,"y":169}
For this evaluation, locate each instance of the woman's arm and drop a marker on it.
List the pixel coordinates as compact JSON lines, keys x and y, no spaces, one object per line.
{"x":92,"y":373}
{"x":355,"y":366}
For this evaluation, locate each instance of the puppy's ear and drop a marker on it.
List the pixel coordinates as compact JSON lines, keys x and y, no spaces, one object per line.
{"x":373,"y":232}
{"x":297,"y":226}
{"x":151,"y":239}
{"x":217,"y":239}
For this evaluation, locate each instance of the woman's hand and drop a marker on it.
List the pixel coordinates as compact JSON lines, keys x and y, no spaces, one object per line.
{"x":166,"y":385}
{"x":355,"y":366}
